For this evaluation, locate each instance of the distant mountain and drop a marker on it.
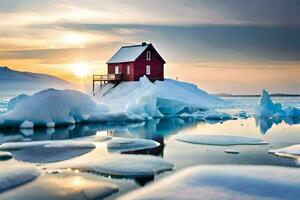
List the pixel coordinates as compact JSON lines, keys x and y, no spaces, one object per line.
{"x":12,"y":80}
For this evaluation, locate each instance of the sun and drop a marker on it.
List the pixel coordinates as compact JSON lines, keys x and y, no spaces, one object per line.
{"x":81,"y":69}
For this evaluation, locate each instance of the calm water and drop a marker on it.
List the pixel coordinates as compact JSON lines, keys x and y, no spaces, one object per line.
{"x":279,"y":133}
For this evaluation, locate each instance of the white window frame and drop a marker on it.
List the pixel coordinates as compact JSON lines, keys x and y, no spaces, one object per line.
{"x":148,"y":55}
{"x":117,"y":69}
{"x":128,"y":69}
{"x":148,"y":69}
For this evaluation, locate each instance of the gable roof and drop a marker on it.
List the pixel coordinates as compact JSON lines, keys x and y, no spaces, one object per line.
{"x":128,"y":53}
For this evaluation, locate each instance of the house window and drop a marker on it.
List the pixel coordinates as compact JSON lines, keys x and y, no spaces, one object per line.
{"x":117,"y":70}
{"x":128,"y":69}
{"x":148,"y":68}
{"x":148,"y":55}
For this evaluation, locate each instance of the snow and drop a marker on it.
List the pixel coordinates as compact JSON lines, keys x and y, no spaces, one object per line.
{"x":127,"y":102}
{"x":14,"y":176}
{"x":222,"y":140}
{"x":129,"y":166}
{"x":47,"y":151}
{"x":128,"y":54}
{"x":289,"y":151}
{"x":168,"y":97}
{"x":231,"y":151}
{"x":51,"y":107}
{"x":5,"y":155}
{"x":128,"y":144}
{"x":267,"y":108}
{"x":224,"y":182}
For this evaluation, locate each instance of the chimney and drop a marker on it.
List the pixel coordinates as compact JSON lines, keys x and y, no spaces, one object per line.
{"x":144,"y":43}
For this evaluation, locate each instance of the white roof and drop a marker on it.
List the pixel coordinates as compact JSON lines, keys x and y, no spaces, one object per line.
{"x":127,"y":54}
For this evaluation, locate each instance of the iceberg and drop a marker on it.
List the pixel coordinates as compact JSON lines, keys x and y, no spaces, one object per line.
{"x":267,"y":108}
{"x":127,"y":102}
{"x":14,"y":176}
{"x":127,"y":166}
{"x":224,"y":182}
{"x":222,"y":140}
{"x":168,"y":97}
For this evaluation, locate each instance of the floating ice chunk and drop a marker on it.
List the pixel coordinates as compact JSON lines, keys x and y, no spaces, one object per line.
{"x":217,"y":116}
{"x":47,"y":151}
{"x":291,"y":151}
{"x":129,"y":144}
{"x":27,"y":124}
{"x":14,"y":176}
{"x":224,"y":182}
{"x":223,"y":140}
{"x":50,"y":124}
{"x":129,"y":166}
{"x":267,"y":108}
{"x":231,"y":151}
{"x":63,"y":185}
{"x":242,"y":114}
{"x":5,"y":155}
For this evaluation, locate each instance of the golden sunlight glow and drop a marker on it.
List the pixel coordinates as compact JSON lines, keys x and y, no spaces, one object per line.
{"x":81,"y":69}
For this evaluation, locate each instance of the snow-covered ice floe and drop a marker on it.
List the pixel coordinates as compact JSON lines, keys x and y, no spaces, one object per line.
{"x":5,"y":155}
{"x":127,"y":102}
{"x":222,"y":140}
{"x":224,"y":182}
{"x":47,"y":151}
{"x":231,"y":151}
{"x":128,"y":144}
{"x":267,"y":108}
{"x":14,"y":176}
{"x":290,"y":151}
{"x":128,"y":166}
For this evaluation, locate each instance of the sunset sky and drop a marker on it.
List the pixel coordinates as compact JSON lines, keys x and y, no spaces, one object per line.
{"x":232,"y":46}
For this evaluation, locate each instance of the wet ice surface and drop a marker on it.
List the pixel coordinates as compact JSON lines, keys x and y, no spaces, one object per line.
{"x":63,"y":185}
{"x":13,"y":176}
{"x":278,"y":132}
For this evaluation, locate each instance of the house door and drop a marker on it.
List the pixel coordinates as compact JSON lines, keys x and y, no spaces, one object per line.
{"x":117,"y":70}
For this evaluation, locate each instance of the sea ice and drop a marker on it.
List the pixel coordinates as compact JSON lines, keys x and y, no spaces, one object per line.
{"x":222,"y":140}
{"x":129,"y":166}
{"x":224,"y":182}
{"x":129,"y":144}
{"x":14,"y":176}
{"x":290,"y":151}
{"x":47,"y":151}
{"x":267,"y":108}
{"x":5,"y":155}
{"x":231,"y":151}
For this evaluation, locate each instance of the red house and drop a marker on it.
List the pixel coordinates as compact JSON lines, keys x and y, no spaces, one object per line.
{"x":130,"y":63}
